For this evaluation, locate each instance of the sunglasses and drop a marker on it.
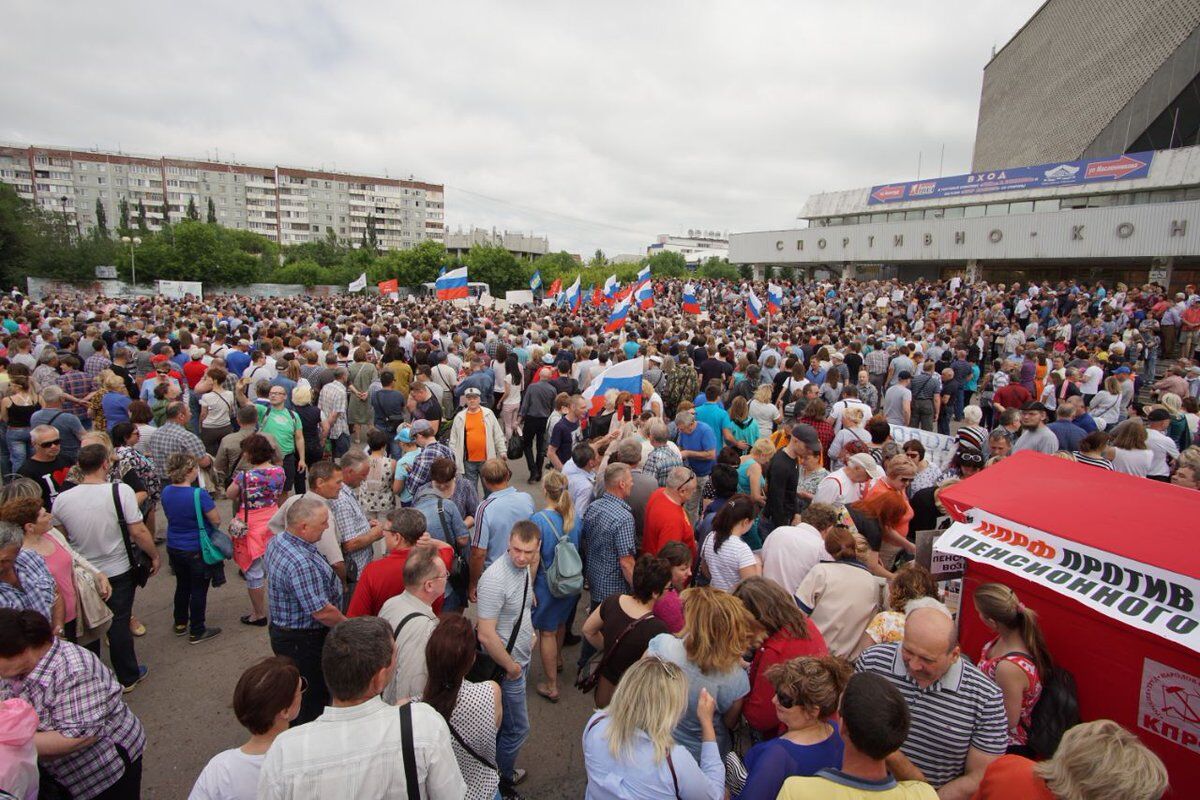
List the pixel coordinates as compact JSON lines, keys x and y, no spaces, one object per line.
{"x":48,"y":445}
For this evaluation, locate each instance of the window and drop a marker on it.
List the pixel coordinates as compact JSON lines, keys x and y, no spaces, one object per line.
{"x":1022,"y":207}
{"x":1046,"y":205}
{"x":1100,"y":201}
{"x":995,"y":209}
{"x":954,"y":212}
{"x":916,"y":214}
{"x":895,"y":216}
{"x":101,"y":180}
{"x":973,"y":211}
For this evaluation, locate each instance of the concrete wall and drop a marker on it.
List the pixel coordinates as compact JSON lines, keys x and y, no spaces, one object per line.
{"x":38,"y":288}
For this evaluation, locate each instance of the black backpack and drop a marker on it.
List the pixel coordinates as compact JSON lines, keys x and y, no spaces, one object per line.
{"x":1057,"y":710}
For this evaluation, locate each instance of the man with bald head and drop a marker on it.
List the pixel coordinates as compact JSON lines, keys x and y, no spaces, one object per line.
{"x":958,"y":721}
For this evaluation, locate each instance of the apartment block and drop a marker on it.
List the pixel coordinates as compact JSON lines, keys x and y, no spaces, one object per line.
{"x":287,"y":204}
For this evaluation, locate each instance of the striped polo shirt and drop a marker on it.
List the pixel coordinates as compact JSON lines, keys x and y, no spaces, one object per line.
{"x":962,"y":710}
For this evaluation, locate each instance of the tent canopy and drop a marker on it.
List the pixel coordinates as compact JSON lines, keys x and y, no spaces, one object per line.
{"x":1147,"y":521}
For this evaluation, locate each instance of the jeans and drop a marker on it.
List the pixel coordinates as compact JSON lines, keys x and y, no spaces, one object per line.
{"x":17,"y":440}
{"x":289,"y":471}
{"x":303,"y":645}
{"x":340,"y":445}
{"x":693,"y":504}
{"x":471,"y":472}
{"x":943,"y":420}
{"x":959,"y":403}
{"x":120,"y":640}
{"x":533,"y":445}
{"x":514,"y":730}
{"x":191,"y":588}
{"x":922,"y":415}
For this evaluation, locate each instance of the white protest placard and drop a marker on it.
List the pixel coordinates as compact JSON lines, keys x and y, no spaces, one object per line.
{"x":938,"y":447}
{"x":1145,"y":597}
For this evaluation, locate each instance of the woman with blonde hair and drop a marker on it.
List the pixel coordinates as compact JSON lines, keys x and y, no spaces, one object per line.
{"x":717,"y":630}
{"x":556,"y":521}
{"x":752,"y":471}
{"x":1180,"y":430}
{"x":1130,"y":453}
{"x":110,"y":404}
{"x":807,"y":692}
{"x":1016,"y":658}
{"x":1105,"y":407}
{"x":763,"y":411}
{"x":1096,"y":760}
{"x":852,"y":433}
{"x":630,"y":748}
{"x":16,"y":409}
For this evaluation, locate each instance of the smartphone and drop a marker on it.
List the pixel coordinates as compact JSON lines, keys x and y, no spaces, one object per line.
{"x":627,"y":413}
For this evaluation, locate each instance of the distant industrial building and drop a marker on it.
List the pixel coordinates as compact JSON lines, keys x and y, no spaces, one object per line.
{"x":697,"y":247}
{"x":287,"y":204}
{"x":523,"y":246}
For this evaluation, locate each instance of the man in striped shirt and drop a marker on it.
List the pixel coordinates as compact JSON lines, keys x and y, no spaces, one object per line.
{"x":958,"y":722}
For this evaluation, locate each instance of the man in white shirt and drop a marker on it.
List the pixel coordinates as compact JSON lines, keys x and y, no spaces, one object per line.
{"x":357,"y":748}
{"x":848,"y":484}
{"x":1162,"y":446}
{"x":580,"y":472}
{"x":792,"y":550}
{"x":1092,"y":376}
{"x":411,"y":618}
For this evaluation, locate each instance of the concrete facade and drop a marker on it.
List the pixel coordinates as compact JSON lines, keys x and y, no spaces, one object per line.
{"x":1084,"y":77}
{"x":521,"y":245}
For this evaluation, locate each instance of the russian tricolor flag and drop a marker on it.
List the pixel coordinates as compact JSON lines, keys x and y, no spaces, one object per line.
{"x":754,"y":308}
{"x":452,"y":285}
{"x":690,"y":304}
{"x":574,"y":296}
{"x":774,"y":298}
{"x":643,"y":274}
{"x":625,"y":376}
{"x":645,"y":295}
{"x":616,"y":320}
{"x":610,"y":286}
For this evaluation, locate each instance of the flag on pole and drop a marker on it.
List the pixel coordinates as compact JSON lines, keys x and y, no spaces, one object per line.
{"x":536,"y":281}
{"x":452,"y":285}
{"x":754,"y":308}
{"x":598,"y":298}
{"x":389,"y":287}
{"x":774,"y":298}
{"x":574,"y":296}
{"x":643,"y":274}
{"x":645,"y":295}
{"x":359,"y":283}
{"x":624,"y":292}
{"x":625,"y":376}
{"x":690,"y":304}
{"x":610,"y":286}
{"x":616,"y":320}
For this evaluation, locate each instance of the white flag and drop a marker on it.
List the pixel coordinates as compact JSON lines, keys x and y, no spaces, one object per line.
{"x":359,"y":284}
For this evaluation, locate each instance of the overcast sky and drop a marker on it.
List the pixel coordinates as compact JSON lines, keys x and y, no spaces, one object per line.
{"x":599,"y":124}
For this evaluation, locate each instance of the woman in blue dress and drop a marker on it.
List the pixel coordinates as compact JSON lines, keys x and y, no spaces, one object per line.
{"x":550,"y":614}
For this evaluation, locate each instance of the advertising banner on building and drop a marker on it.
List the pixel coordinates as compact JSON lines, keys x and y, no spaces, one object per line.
{"x":1146,"y":597}
{"x":1061,"y":173}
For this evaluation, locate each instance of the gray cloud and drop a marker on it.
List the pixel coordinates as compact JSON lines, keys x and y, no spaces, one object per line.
{"x":599,"y":125}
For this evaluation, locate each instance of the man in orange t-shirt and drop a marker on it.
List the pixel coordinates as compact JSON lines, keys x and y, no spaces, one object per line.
{"x":475,"y":436}
{"x":666,"y":520}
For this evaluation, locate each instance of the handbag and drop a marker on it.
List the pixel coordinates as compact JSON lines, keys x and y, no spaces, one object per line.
{"x":460,"y":570}
{"x":587,"y":681}
{"x":516,"y":447}
{"x":239,"y":527}
{"x":485,"y":667}
{"x":215,"y":546}
{"x":139,"y":563}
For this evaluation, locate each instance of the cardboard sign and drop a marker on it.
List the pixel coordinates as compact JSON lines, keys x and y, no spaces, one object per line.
{"x":943,"y":566}
{"x":1169,"y":704}
{"x":1148,"y":598}
{"x":939,"y":449}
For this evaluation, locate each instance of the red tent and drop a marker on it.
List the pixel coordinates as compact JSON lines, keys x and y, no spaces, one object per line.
{"x":1110,"y":564}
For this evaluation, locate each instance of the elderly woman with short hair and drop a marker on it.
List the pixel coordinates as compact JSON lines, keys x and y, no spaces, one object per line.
{"x":186,"y":508}
{"x":25,"y":580}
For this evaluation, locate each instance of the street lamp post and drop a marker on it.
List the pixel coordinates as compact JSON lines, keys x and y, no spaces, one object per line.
{"x":133,"y":243}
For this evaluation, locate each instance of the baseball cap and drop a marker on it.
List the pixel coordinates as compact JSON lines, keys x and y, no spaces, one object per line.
{"x":421,"y":427}
{"x":1035,"y":406}
{"x":405,"y":435}
{"x":864,"y":461}
{"x":548,"y":359}
{"x":1121,"y":371}
{"x":1159,"y":415}
{"x":471,"y":391}
{"x":807,"y":434}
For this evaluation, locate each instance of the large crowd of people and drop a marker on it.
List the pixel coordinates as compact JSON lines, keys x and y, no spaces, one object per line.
{"x":730,"y":548}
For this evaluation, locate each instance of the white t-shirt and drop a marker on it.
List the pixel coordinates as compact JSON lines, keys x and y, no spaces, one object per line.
{"x":229,"y":775}
{"x":88,"y":517}
{"x":1164,"y":448}
{"x":790,"y":552}
{"x":219,"y":404}
{"x":1131,"y":462}
{"x":1091,"y":380}
{"x":836,"y":489}
{"x":725,"y":565}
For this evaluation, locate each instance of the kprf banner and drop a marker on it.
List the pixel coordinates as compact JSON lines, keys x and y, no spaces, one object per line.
{"x":1148,"y":598}
{"x":388,"y":287}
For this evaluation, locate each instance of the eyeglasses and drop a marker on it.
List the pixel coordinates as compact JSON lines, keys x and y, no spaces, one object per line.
{"x":48,"y":445}
{"x":784,"y":700}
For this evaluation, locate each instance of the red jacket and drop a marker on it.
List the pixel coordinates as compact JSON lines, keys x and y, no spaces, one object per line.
{"x":383,"y":579}
{"x":758,"y":709}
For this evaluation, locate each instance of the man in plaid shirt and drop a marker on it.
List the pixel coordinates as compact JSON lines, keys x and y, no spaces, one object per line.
{"x":431,"y":451}
{"x":174,"y":437}
{"x":82,"y":719}
{"x":662,"y":458}
{"x":77,"y":387}
{"x":332,"y":402}
{"x":98,"y":361}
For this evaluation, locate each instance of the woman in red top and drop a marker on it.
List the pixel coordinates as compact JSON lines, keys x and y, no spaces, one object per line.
{"x":1016,"y":658}
{"x":787,"y":633}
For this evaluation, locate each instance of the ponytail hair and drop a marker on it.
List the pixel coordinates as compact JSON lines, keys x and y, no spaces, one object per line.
{"x":558,"y":498}
{"x":999,"y":603}
{"x":839,"y":543}
{"x":736,"y":509}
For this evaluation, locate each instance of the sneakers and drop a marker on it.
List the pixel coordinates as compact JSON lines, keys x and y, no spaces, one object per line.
{"x":143,"y":671}
{"x":204,"y":637}
{"x":180,"y":630}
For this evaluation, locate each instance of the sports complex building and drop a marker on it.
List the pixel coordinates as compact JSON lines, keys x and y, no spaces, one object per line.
{"x":1086,"y":165}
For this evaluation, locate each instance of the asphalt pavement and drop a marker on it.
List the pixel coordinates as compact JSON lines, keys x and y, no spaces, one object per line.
{"x":185,"y":701}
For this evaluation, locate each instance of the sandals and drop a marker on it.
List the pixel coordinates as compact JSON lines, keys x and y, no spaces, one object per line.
{"x":544,"y":692}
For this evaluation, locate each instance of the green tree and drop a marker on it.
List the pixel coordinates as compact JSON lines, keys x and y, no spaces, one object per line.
{"x":667,"y":264}
{"x":598,"y":259}
{"x":788,"y":272}
{"x":14,"y":234}
{"x":306,"y":272}
{"x":769,"y":272}
{"x":498,"y":268}
{"x":372,"y":234}
{"x":717,"y":268}
{"x":166,"y":213}
{"x":411,"y":267}
{"x":101,"y":220}
{"x":193,"y":213}
{"x":555,"y":265}
{"x":746,"y":271}
{"x":143,"y":226}
{"x":123,"y":215}
{"x":211,"y":218}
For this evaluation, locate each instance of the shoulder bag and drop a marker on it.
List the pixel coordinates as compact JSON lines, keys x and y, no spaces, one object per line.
{"x":670,"y":761}
{"x":409,"y":752}
{"x":90,"y":608}
{"x":587,"y":682}
{"x":460,"y":570}
{"x":215,"y":546}
{"x":139,"y":562}
{"x":485,"y":667}
{"x":470,"y":750}
{"x":239,"y":527}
